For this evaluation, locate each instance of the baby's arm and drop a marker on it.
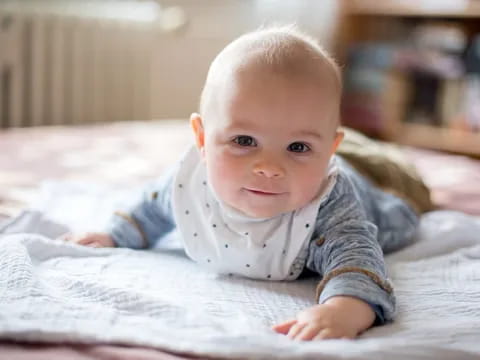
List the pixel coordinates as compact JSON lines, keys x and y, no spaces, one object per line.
{"x":143,"y":223}
{"x":149,"y":218}
{"x":354,"y":290}
{"x":97,"y":240}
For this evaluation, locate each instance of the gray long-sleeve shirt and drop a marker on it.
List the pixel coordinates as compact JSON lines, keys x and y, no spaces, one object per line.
{"x":355,"y":226}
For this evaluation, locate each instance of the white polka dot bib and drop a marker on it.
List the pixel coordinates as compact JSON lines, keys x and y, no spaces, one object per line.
{"x":227,"y":241}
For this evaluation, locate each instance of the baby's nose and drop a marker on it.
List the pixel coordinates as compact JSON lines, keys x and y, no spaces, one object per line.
{"x":268,"y":169}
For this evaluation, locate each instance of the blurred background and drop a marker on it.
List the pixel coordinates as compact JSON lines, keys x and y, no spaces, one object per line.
{"x":100,"y":90}
{"x":67,"y":61}
{"x":411,"y":68}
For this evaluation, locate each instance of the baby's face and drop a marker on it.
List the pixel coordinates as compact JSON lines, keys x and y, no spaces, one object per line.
{"x":268,"y":142}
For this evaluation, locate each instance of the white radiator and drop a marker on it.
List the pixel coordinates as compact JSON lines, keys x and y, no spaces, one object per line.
{"x":59,"y":67}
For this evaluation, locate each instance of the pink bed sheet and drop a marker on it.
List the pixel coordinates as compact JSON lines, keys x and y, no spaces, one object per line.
{"x":132,"y":152}
{"x":18,"y":351}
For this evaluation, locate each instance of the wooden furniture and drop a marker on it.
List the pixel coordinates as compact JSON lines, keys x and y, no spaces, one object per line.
{"x":375,"y":21}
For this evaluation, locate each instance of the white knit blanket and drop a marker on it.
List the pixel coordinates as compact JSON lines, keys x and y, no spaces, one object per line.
{"x":53,"y":291}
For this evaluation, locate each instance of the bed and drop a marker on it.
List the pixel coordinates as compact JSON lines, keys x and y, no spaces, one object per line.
{"x":81,"y":162}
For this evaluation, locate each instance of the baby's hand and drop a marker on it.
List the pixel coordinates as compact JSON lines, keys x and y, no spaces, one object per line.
{"x":340,"y":317}
{"x":90,"y":239}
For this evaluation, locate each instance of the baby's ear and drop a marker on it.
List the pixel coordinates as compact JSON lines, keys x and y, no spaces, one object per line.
{"x":197,"y":127}
{"x":339,"y":135}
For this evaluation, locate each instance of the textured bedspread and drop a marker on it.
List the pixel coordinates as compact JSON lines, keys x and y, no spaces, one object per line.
{"x":53,"y":291}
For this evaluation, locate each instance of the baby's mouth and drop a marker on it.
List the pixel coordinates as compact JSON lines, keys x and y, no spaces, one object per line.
{"x":262,"y":192}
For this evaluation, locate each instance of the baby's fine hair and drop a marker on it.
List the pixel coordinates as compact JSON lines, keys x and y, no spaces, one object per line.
{"x":283,"y":49}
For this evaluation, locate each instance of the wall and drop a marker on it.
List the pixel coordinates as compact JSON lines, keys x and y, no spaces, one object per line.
{"x":181,"y":59}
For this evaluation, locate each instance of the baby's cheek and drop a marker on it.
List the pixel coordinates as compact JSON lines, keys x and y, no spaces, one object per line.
{"x":224,"y":174}
{"x":310,"y":184}
{"x":231,"y":165}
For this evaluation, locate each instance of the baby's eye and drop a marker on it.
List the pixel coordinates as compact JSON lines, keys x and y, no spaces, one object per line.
{"x":244,"y":140}
{"x":298,"y":147}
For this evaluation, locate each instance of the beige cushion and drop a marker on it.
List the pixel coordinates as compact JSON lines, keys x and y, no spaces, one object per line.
{"x":387,"y":167}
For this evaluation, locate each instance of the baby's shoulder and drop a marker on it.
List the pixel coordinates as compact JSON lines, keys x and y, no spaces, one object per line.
{"x":344,"y":201}
{"x":344,"y":180}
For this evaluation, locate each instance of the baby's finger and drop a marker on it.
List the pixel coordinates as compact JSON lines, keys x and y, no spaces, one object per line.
{"x":95,"y":244}
{"x":86,"y":240}
{"x":295,"y":330}
{"x":325,"y":334}
{"x":308,"y":333}
{"x":283,"y":328}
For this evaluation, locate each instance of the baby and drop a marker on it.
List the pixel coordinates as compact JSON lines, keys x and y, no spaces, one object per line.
{"x":263,"y":196}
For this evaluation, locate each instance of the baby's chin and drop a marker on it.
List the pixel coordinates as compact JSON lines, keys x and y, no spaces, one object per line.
{"x":262,"y":209}
{"x":258,"y":213}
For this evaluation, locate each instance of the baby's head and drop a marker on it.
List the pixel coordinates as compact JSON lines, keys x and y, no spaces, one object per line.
{"x":268,"y":121}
